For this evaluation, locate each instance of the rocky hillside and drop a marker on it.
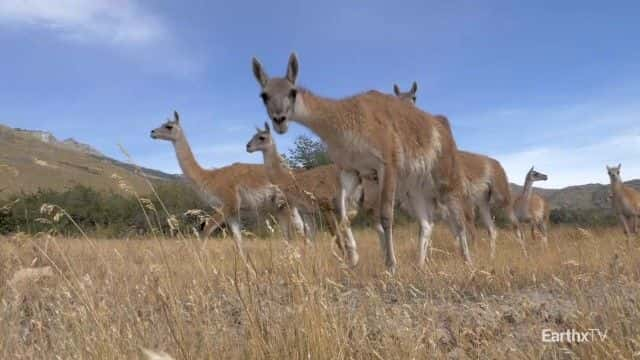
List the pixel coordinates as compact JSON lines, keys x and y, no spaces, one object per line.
{"x":47,"y":137}
{"x":30,"y":160}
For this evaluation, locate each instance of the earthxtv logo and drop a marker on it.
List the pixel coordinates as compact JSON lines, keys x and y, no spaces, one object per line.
{"x":573,"y":336}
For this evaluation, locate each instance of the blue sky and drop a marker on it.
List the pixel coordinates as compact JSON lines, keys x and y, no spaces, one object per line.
{"x":553,"y":85}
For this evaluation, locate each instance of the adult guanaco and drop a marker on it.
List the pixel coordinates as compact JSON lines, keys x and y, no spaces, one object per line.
{"x":532,"y":208}
{"x":626,"y":202}
{"x":486,"y":179}
{"x":310,"y":191}
{"x":228,"y":189}
{"x":376,"y":135}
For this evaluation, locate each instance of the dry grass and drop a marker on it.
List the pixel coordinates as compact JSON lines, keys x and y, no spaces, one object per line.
{"x":108,"y":299}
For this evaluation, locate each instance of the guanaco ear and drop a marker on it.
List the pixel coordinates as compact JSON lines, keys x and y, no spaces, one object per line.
{"x":619,"y":166}
{"x":259,"y":72}
{"x":267,"y":128}
{"x":530,"y":170}
{"x":292,"y":68}
{"x":396,"y":90}
{"x":414,"y":88}
{"x":176,"y":117}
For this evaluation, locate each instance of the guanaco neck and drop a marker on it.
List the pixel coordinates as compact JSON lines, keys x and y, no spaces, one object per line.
{"x":189,"y":165}
{"x":316,"y":113}
{"x":527,"y":191}
{"x":280,"y":174}
{"x":617,"y":187}
{"x":275,"y":166}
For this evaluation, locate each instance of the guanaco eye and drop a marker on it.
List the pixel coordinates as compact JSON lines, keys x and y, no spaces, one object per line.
{"x":262,"y":138}
{"x":413,"y":98}
{"x":264,"y":97}
{"x":293,"y":93}
{"x":168,"y":127}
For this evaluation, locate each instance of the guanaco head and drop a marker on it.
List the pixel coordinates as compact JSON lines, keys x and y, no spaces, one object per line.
{"x":409,"y":96}
{"x":170,"y":130}
{"x":614,"y":172}
{"x":261,"y":141}
{"x":534,"y":175}
{"x":278,"y":94}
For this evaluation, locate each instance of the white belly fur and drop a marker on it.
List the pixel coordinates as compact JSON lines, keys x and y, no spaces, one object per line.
{"x":261,"y":198}
{"x":355,"y":154}
{"x":250,"y":199}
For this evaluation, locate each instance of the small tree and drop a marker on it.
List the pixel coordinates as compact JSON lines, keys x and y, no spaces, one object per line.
{"x":307,"y":153}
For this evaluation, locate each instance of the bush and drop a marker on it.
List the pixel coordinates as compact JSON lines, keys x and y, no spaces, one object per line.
{"x":100,"y":213}
{"x":109,"y":214}
{"x":307,"y":153}
{"x":583,"y":217}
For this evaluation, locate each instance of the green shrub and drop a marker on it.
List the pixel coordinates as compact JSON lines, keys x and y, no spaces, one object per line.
{"x":109,"y":214}
{"x":100,"y":213}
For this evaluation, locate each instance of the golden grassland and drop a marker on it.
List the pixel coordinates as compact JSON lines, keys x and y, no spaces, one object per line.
{"x":108,"y":298}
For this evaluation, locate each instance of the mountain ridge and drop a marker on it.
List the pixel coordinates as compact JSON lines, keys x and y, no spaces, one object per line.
{"x":33,"y":159}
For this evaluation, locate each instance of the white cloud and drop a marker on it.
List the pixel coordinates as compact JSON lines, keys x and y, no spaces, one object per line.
{"x":131,"y":30}
{"x":113,"y":21}
{"x":568,"y":166}
{"x":571,"y":142}
{"x":513,"y":129}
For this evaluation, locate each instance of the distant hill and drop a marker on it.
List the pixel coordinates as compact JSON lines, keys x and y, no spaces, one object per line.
{"x":584,"y":197}
{"x":32,"y":160}
{"x":48,"y":138}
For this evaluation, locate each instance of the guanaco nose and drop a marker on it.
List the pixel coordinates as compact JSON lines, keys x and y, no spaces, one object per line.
{"x":279,"y":119}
